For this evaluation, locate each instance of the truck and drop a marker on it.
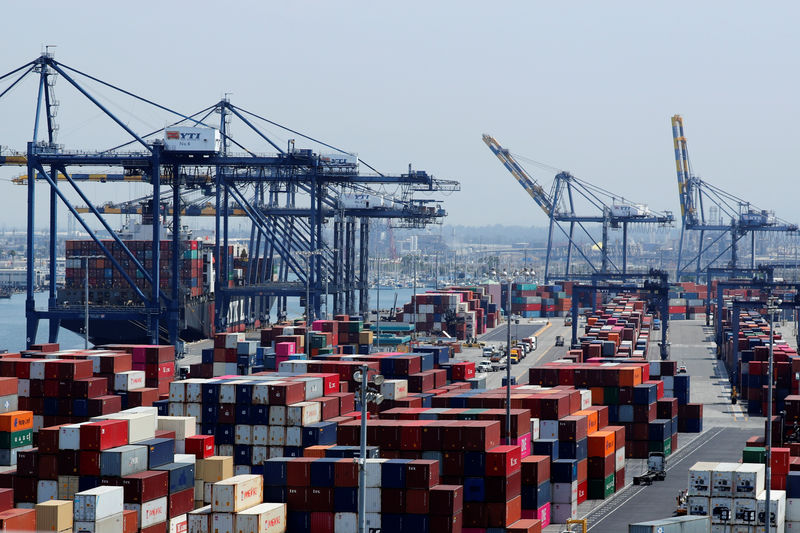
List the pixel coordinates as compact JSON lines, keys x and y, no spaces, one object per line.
{"x":656,"y":470}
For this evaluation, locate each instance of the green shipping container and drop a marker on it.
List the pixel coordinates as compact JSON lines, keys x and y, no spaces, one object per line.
{"x":664,"y":447}
{"x":610,"y":395}
{"x":16,"y":439}
{"x":600,"y":489}
{"x":754,"y":454}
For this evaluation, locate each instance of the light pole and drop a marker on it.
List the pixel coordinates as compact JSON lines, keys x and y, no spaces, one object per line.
{"x":366,"y":395}
{"x":772,"y":305}
{"x":377,"y":301}
{"x":416,"y":306}
{"x":85,"y":261}
{"x":508,"y":360}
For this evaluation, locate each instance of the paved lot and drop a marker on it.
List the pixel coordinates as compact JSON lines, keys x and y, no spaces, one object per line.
{"x":726,"y":428}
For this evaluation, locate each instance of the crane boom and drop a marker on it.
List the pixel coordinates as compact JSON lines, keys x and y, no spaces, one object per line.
{"x":682,"y":168}
{"x":528,"y":183}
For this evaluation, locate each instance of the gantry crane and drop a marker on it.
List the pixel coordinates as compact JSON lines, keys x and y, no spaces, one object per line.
{"x":287,"y":195}
{"x":610,"y":211}
{"x":736,"y":217}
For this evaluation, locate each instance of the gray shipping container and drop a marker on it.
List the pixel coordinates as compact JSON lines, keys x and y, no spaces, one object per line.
{"x":123,"y":461}
{"x":678,"y":524}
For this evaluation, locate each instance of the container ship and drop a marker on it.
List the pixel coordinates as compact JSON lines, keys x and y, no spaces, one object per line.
{"x":108,"y":289}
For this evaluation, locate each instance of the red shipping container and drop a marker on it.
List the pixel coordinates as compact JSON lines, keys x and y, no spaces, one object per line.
{"x":422,"y":474}
{"x":535,"y":469}
{"x":446,"y":500}
{"x":322,"y":522}
{"x":411,"y":434}
{"x":583,"y":487}
{"x":89,"y":462}
{"x":329,"y":407}
{"x":418,"y":501}
{"x":502,"y":489}
{"x":503,"y":461}
{"x":130,"y":521}
{"x":286,"y":392}
{"x":504,"y":514}
{"x":201,"y":446}
{"x":181,"y":502}
{"x":105,"y":405}
{"x":116,"y":363}
{"x":89,"y":387}
{"x":143,"y":397}
{"x":780,"y":461}
{"x":6,"y":499}
{"x":447,"y":523}
{"x":18,"y":520}
{"x":321,"y":498}
{"x":298,"y":471}
{"x":297,"y":498}
{"x":526,"y":525}
{"x":393,"y":501}
{"x":161,"y":527}
{"x":346,"y":473}
{"x":146,"y":486}
{"x":104,"y":434}
{"x":480,"y":435}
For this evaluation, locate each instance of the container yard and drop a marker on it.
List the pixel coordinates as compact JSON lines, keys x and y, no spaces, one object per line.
{"x":220,"y":321}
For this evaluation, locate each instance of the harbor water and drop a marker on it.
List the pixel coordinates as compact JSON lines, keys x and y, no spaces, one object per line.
{"x":12,"y":316}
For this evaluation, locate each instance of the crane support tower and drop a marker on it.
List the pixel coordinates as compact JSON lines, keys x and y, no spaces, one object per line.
{"x":292,"y":197}
{"x":568,"y":194}
{"x":736,"y":218}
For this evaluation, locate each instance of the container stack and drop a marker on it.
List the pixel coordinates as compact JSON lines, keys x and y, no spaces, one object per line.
{"x":99,"y":509}
{"x":676,"y":386}
{"x":258,"y":417}
{"x":237,"y":504}
{"x":107,"y":286}
{"x":16,"y":435}
{"x":530,"y":300}
{"x":536,"y":488}
{"x":733,"y":495}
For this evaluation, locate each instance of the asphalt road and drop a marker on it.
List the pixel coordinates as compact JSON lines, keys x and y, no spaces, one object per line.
{"x":726,"y":428}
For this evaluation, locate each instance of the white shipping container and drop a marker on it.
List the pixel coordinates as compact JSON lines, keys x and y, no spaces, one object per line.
{"x":69,"y":437}
{"x":275,"y":451}
{"x":277,"y":436}
{"x":222,"y":522}
{"x":373,"y":472}
{"x":198,"y":490}
{"x":260,"y":435}
{"x":67,"y":487}
{"x":227,"y":391}
{"x":535,"y":431}
{"x":262,"y":518}
{"x":23,"y":387}
{"x":46,"y":490}
{"x":243,"y":434}
{"x":177,"y":391}
{"x":237,"y":493}
{"x":224,"y":449}
{"x":564,"y":492}
{"x":224,"y":369}
{"x":179,"y":524}
{"x":586,"y":398}
{"x":792,"y":510}
{"x":176,"y":409}
{"x":724,"y":528}
{"x":260,"y":394}
{"x":239,"y":470}
{"x":277,"y":415}
{"x":194,"y":390}
{"x":744,"y":511}
{"x":183,"y":426}
{"x":207,"y":492}
{"x":394,"y":389}
{"x":749,"y":480}
{"x":194,"y":410}
{"x":186,"y":139}
{"x":373,"y":521}
{"x":548,"y":429}
{"x":185,"y":458}
{"x":619,"y":459}
{"x":294,"y":436}
{"x":561,"y":512}
{"x":700,"y":478}
{"x":150,"y":513}
{"x":93,"y":504}
{"x":141,"y":426}
{"x":130,"y":380}
{"x":777,"y":507}
{"x":303,"y":413}
{"x":791,"y":527}
{"x":345,"y":522}
{"x":698,"y":505}
{"x":373,"y":500}
{"x":109,"y":524}
{"x":37,"y":369}
{"x":722,"y":480}
{"x":721,"y":510}
{"x":259,"y":454}
{"x":180,"y":446}
{"x":314,"y":388}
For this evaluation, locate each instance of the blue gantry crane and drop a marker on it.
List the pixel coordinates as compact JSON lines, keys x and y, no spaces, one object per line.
{"x":289,"y":196}
{"x":569,"y":193}
{"x":734,"y":217}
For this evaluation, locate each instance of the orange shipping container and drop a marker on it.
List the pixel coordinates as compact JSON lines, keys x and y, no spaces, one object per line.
{"x":16,"y":421}
{"x":591,"y":420}
{"x":598,"y":397}
{"x":18,"y":520}
{"x":630,"y":376}
{"x":601,"y":444}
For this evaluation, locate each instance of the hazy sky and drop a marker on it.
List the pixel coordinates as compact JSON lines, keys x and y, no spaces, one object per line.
{"x":585,"y":86}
